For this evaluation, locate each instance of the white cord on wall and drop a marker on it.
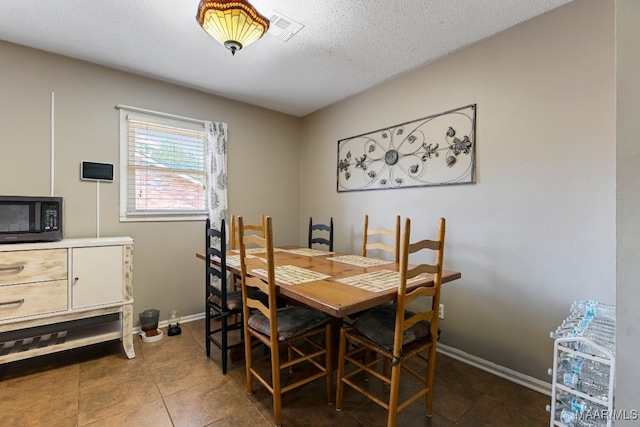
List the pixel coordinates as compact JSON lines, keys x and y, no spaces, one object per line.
{"x":97,"y":208}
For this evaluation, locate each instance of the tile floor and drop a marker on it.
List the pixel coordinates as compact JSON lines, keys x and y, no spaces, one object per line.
{"x":173,"y":383}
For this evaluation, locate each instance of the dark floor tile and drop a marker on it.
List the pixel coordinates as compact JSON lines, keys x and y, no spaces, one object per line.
{"x":372,"y":415}
{"x":452,"y":371}
{"x":183,"y":374}
{"x":27,"y":382}
{"x":212,"y":404}
{"x":38,"y":408}
{"x":310,"y":408}
{"x":108,"y":362}
{"x":170,"y":349}
{"x":526,"y":400}
{"x":493,"y":412}
{"x":112,"y":397}
{"x":452,"y":400}
{"x":151,"y":414}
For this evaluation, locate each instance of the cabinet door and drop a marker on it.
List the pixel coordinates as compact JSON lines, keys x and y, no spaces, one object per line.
{"x":97,"y":276}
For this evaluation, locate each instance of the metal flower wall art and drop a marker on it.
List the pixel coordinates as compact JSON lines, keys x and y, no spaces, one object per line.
{"x":435,"y":150}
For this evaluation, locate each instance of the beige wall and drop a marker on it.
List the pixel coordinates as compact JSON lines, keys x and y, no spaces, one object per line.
{"x":263,"y":146}
{"x":537,"y":231}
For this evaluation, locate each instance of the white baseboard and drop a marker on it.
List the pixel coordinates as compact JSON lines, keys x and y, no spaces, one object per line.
{"x":497,"y":370}
{"x":490,"y":367}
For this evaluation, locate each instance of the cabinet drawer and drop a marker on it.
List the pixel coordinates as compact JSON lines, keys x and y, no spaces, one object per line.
{"x":32,"y":266}
{"x":32,"y":298}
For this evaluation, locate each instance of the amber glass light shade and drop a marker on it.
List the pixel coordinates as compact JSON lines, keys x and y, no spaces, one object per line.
{"x":234,"y":23}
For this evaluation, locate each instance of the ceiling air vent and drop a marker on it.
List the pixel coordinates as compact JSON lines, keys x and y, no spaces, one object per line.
{"x":282,"y":26}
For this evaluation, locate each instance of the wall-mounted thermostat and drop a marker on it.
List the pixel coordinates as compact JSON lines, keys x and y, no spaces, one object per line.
{"x":93,"y":171}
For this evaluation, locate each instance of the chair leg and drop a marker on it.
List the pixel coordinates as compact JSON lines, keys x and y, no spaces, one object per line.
{"x":385,"y":367}
{"x":290,"y":357}
{"x":431,"y":369}
{"x":329,"y":363}
{"x":275,"y":382}
{"x":207,"y":329}
{"x":224,"y":351}
{"x":248,"y":361}
{"x":393,"y":398}
{"x":339,"y":384}
{"x":366,"y":357}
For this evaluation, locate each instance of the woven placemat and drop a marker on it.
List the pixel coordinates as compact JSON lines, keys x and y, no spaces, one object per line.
{"x":293,"y":275}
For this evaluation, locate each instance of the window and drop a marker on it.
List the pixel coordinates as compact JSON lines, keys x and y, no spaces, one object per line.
{"x":162,"y":167}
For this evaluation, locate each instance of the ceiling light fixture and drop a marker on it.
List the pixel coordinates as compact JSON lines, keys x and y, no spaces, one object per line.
{"x":234,"y":23}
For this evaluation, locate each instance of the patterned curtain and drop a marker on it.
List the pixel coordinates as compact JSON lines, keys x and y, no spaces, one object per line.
{"x":216,"y":169}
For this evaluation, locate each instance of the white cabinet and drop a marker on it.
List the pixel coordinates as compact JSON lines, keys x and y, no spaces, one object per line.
{"x":60,"y":295}
{"x":96,"y":273}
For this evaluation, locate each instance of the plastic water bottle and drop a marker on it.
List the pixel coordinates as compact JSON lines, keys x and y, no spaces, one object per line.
{"x":585,"y":347}
{"x":592,"y":307}
{"x":590,"y":321}
{"x":593,"y":388}
{"x":591,"y":422}
{"x":602,"y":325}
{"x":587,"y":369}
{"x":603,"y":339}
{"x":570,"y":417}
{"x":565,"y":416}
{"x":598,"y":336}
{"x":579,"y":405}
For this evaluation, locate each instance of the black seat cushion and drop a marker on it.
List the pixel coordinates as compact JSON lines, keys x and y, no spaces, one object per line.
{"x":292,"y":321}
{"x":234,"y":300}
{"x":378,"y":324}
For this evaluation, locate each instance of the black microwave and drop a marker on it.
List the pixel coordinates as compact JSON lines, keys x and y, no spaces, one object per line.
{"x":30,"y":219}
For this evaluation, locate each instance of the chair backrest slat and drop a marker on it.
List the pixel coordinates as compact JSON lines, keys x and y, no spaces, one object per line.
{"x":422,"y":269}
{"x":418,"y":317}
{"x":314,"y":239}
{"x":394,"y":233}
{"x":258,"y":229}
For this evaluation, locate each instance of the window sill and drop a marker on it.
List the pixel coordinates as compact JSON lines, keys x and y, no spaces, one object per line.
{"x":163,"y":218}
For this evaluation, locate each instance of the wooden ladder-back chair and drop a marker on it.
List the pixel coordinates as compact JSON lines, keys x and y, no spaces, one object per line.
{"x":324,"y":239}
{"x":306,"y":333}
{"x":381,"y":232}
{"x":396,"y":335}
{"x":255,"y":228}
{"x":220,"y":303}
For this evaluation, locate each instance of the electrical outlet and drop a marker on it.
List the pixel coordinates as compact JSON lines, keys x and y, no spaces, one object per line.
{"x":441,"y":311}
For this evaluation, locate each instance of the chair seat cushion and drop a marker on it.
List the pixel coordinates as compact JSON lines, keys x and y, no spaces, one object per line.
{"x":292,"y":321}
{"x":378,"y":324}
{"x":234,"y":300}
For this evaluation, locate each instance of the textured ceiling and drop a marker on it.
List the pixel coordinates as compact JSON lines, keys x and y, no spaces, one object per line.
{"x":344,"y":48}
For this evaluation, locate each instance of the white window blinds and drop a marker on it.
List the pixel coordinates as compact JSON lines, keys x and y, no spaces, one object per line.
{"x":165,"y":170}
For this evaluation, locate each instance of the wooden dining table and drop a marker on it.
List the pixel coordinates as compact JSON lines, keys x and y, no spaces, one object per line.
{"x":335,"y":283}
